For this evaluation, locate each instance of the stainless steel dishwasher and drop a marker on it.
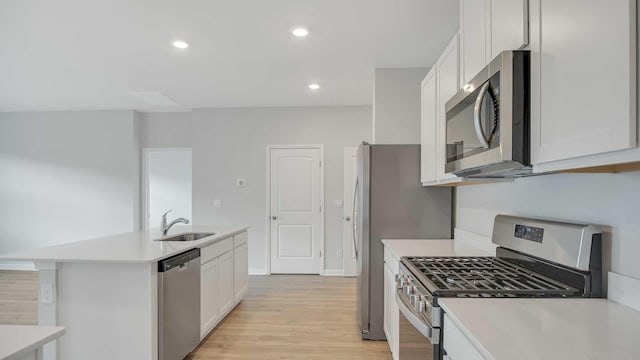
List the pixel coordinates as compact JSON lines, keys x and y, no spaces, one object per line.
{"x":178,"y":305}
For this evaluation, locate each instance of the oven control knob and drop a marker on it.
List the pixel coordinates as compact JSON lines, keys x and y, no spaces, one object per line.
{"x":408,"y":290}
{"x":414,"y":299}
{"x":420,"y":306}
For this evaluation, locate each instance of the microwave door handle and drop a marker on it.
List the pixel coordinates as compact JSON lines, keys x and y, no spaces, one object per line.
{"x":477,"y":116}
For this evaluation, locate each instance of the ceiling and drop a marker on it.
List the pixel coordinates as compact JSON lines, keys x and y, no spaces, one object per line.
{"x":92,"y":54}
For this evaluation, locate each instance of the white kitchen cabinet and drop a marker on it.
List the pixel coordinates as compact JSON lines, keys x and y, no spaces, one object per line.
{"x":428,"y":128}
{"x":473,"y":36}
{"x":391,"y":310}
{"x":209,"y":307}
{"x":508,"y":26}
{"x":225,"y":282}
{"x":240,"y":272}
{"x":583,"y":80}
{"x":224,"y":274}
{"x":488,"y":27}
{"x":456,"y":344}
{"x":448,"y":84}
{"x":439,"y":86}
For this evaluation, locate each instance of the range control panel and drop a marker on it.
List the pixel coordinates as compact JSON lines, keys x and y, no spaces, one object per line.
{"x":529,"y":233}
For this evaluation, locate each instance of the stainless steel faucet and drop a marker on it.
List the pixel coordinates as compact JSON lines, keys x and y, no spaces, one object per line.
{"x":165,"y":227}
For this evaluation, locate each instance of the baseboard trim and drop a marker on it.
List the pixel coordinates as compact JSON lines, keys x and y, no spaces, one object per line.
{"x":329,"y":272}
{"x":258,"y":272}
{"x":624,"y":290}
{"x":18,"y":265}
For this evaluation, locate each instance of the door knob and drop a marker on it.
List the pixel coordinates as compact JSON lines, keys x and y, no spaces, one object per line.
{"x":273,"y":217}
{"x":348,"y":218}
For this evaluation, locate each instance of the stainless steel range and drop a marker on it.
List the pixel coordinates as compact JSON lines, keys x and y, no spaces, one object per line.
{"x":534,"y":258}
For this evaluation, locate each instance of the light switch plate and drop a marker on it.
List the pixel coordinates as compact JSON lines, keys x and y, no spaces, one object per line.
{"x":217,"y":204}
{"x":338,"y":203}
{"x":46,"y":293}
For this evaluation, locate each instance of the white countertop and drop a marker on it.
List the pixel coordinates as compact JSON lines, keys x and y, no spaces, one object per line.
{"x":528,"y":329}
{"x":135,"y":247}
{"x":431,"y":247}
{"x":16,"y":341}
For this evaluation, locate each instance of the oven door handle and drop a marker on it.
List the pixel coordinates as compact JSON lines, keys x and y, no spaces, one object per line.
{"x":477,"y":116}
{"x":424,"y":329}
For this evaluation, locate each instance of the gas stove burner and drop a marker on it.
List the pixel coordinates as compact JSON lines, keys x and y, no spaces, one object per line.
{"x":484,"y":277}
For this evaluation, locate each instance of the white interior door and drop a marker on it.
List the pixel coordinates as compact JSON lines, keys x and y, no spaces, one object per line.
{"x":167,"y":184}
{"x":350,"y":177}
{"x":295,"y":213}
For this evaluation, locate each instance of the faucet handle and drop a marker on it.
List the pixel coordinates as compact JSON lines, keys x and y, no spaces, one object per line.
{"x":165,"y":214}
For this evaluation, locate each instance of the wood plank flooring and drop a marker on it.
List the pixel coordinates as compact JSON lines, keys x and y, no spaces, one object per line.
{"x":19,"y":297}
{"x":293,"y":317}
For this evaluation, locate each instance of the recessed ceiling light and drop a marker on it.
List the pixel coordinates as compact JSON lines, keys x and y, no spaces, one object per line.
{"x":300,"y":32}
{"x":180,"y":44}
{"x":314,"y":86}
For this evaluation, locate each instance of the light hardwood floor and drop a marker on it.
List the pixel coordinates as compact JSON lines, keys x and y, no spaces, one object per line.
{"x":293,"y":317}
{"x":19,"y":297}
{"x":282,"y":317}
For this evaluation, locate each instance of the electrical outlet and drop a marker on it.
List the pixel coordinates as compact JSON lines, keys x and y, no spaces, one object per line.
{"x":46,"y":293}
{"x":217,"y":204}
{"x":339,"y":252}
{"x":338,"y":203}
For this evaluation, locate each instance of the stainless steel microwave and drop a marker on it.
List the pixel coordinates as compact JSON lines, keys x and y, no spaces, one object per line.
{"x":487,"y":122}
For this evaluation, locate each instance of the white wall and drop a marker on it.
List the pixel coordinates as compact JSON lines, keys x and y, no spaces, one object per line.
{"x":171,"y":129}
{"x":168,"y":185}
{"x":396,"y":105}
{"x":231,"y":143}
{"x":67,"y":176}
{"x":606,"y":199}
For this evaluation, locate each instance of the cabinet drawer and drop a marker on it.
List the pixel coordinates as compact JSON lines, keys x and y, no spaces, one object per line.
{"x":456,"y":344}
{"x":391,"y":260}
{"x":239,"y":239}
{"x":214,"y":250}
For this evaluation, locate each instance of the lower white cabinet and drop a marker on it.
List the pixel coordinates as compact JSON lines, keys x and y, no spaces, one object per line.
{"x":391,"y":310}
{"x":223,"y":279}
{"x":208,"y":296}
{"x":456,"y":344}
{"x":240,"y":275}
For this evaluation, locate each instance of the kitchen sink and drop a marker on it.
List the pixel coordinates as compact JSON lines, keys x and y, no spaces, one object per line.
{"x":186,"y":237}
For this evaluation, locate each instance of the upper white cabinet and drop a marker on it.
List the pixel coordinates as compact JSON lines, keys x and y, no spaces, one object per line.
{"x":428,"y":124}
{"x":488,"y":27}
{"x":448,"y":80}
{"x":508,"y":26}
{"x":441,"y":83}
{"x":473,"y":35}
{"x":583,"y":79}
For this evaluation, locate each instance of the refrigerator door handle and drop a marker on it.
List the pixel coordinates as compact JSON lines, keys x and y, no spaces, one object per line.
{"x":355,"y":219}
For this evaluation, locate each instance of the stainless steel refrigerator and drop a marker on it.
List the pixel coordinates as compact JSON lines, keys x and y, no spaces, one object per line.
{"x":390,"y":203}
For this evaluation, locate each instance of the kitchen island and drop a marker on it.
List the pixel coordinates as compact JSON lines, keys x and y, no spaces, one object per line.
{"x":105,"y":291}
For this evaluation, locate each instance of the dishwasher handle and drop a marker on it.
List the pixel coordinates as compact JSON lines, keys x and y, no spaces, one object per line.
{"x":178,"y":261}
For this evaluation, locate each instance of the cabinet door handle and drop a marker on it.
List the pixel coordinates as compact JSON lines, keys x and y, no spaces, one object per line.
{"x":273,"y":217}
